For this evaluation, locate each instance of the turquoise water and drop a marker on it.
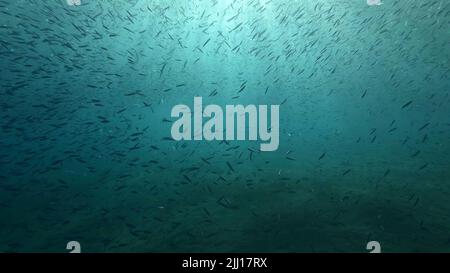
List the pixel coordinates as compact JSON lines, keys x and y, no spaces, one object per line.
{"x":86,"y":149}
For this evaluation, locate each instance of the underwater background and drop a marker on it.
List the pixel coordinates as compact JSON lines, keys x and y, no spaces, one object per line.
{"x":86,"y":152}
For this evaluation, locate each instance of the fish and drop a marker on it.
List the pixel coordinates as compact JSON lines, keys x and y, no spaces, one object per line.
{"x":229,"y":166}
{"x":322,"y":155}
{"x":407,"y":104}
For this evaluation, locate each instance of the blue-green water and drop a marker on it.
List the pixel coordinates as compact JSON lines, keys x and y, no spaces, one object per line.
{"x":85,"y":103}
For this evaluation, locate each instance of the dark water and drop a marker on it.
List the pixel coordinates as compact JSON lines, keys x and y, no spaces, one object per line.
{"x":85,"y":103}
